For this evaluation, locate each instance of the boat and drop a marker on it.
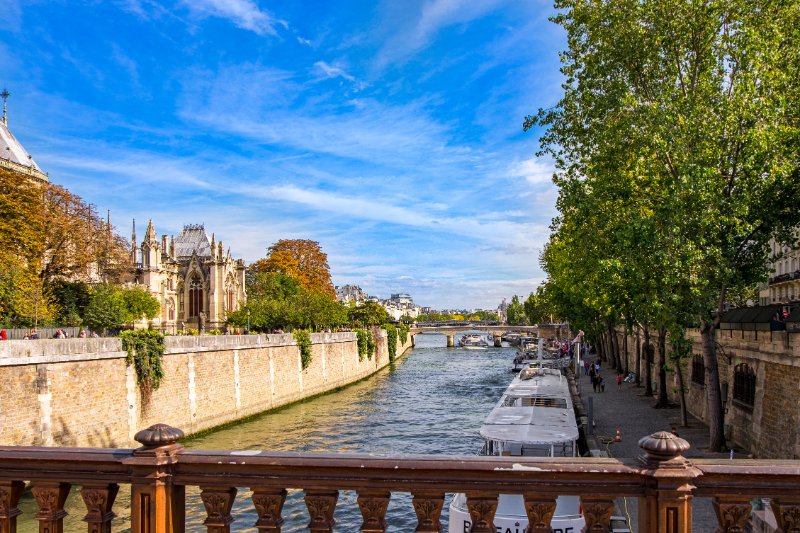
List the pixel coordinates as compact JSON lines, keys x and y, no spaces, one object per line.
{"x":472,"y":340}
{"x":534,"y":418}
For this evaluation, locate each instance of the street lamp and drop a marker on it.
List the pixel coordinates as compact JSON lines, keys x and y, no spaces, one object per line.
{"x":248,"y":320}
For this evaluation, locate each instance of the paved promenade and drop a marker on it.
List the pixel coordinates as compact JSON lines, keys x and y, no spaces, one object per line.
{"x":632,"y":413}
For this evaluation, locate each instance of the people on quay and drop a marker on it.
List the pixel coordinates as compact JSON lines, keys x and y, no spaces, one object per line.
{"x":82,"y":334}
{"x":619,"y":382}
{"x":3,"y":335}
{"x":586,"y":365}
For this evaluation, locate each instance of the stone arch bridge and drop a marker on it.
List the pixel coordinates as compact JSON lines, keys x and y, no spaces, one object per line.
{"x":450,"y":330}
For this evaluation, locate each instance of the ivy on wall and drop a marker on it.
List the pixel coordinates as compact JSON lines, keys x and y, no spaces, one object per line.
{"x":366,"y":344}
{"x":402,"y":330}
{"x":145,"y":348}
{"x":391,"y":340}
{"x":303,"y":340}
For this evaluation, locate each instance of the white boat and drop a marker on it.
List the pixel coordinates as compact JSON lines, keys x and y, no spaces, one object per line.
{"x":473,"y":340}
{"x":534,"y":418}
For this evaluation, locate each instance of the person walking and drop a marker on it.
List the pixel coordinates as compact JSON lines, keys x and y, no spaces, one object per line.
{"x":619,"y":382}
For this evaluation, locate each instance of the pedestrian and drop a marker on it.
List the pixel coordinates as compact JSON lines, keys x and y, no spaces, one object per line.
{"x":183,"y":327}
{"x":602,"y":384}
{"x":82,"y":334}
{"x":619,"y":382}
{"x":586,"y":368}
{"x":2,"y":335}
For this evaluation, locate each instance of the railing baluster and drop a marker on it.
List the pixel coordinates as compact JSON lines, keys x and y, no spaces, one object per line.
{"x":373,"y":505}
{"x":732,"y":514}
{"x":428,"y":507}
{"x":540,"y":509}
{"x":50,"y":498}
{"x":597,"y":511}
{"x":218,"y":502}
{"x":482,"y":507}
{"x":269,"y":504}
{"x":787,"y":512}
{"x":321,"y":504}
{"x":99,"y":500}
{"x":10,"y":493}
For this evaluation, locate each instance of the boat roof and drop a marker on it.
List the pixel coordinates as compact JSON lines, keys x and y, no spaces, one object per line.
{"x":535,"y":409}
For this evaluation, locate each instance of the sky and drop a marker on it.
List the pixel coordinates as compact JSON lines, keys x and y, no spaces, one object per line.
{"x":390,"y":131}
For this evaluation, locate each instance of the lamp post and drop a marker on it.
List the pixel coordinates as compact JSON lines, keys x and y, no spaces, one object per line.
{"x":248,"y":320}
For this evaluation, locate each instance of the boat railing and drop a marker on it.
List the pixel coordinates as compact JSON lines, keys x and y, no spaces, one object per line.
{"x":160,"y":471}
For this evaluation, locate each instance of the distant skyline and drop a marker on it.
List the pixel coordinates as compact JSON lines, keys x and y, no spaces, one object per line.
{"x":390,"y":132}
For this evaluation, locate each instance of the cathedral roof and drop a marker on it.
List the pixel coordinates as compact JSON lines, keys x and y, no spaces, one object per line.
{"x":192,"y":239}
{"x":14,"y":157}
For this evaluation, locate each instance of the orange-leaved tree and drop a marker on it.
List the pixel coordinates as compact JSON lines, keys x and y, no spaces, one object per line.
{"x":301,"y":259}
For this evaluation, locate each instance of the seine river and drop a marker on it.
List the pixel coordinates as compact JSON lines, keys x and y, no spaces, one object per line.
{"x":432,"y":401}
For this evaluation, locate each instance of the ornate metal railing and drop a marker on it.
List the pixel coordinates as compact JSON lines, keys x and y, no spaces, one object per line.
{"x":159,"y":471}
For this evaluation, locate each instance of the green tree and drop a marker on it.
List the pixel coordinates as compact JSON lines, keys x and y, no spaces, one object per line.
{"x":106,"y":309}
{"x":368,"y":314}
{"x":515,"y":313}
{"x":138,"y":303}
{"x":696,"y":102}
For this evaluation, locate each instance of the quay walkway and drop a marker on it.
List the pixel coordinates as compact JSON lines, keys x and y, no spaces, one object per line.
{"x":630,"y":412}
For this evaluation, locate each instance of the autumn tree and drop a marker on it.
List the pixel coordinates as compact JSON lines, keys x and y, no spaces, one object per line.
{"x":300,"y":259}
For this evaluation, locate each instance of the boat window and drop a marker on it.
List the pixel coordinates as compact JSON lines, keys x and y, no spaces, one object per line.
{"x":534,"y":401}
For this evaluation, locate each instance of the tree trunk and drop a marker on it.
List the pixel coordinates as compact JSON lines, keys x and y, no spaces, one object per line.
{"x":648,"y":368}
{"x":625,"y":350}
{"x":618,"y":352}
{"x":663,"y":398}
{"x":715,"y":417}
{"x":638,"y":356}
{"x":682,"y":393}
{"x":600,"y":347}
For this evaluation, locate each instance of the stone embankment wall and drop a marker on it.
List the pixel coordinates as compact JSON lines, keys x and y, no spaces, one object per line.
{"x":81,"y":392}
{"x":770,"y":428}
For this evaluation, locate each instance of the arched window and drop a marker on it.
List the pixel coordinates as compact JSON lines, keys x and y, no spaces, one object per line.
{"x":230,"y":294}
{"x":698,"y":370}
{"x":744,"y":385}
{"x":195,"y":296}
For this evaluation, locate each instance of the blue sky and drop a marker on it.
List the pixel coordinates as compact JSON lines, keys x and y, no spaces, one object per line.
{"x":389,"y":131}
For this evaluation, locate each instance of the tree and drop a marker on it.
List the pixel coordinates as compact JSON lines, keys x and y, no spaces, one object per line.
{"x":515,"y":313}
{"x":698,"y":103}
{"x":106,"y":309}
{"x":138,"y":304}
{"x":300,"y":259}
{"x":368,"y":314}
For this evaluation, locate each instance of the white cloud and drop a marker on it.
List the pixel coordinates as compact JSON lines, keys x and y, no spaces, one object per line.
{"x":304,"y":41}
{"x":332,"y":71}
{"x":245,"y":14}
{"x":533,"y":170}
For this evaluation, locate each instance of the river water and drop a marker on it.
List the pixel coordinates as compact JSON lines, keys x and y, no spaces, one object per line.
{"x":432,"y":401}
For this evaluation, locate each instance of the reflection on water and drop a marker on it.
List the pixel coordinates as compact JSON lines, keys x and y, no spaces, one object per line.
{"x":431,"y":402}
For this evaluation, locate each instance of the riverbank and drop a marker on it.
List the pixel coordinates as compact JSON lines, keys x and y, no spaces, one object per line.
{"x":81,"y":392}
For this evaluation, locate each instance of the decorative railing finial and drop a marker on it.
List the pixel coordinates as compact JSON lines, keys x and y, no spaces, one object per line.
{"x":661,"y":447}
{"x":158,"y":435}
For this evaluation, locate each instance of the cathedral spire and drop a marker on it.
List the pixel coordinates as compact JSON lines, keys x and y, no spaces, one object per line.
{"x":5,"y":94}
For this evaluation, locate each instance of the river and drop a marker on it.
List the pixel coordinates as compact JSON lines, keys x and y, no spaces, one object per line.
{"x":432,"y":401}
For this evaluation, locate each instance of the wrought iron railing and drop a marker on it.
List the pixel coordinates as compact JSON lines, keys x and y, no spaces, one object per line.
{"x":159,"y":472}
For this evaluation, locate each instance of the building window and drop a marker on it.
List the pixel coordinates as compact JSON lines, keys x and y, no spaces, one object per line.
{"x":744,"y":385}
{"x":698,"y":370}
{"x":195,"y":296}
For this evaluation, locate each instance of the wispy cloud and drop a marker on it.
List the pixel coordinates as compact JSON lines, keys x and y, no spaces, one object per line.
{"x":534,"y":170}
{"x":331,"y":71}
{"x":245,"y":14}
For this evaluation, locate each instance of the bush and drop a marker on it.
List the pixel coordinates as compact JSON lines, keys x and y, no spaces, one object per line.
{"x":402,"y":330}
{"x":391,"y":340}
{"x":366,"y":344}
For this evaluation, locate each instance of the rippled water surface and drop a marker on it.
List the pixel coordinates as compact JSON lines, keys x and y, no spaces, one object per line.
{"x":432,"y":401}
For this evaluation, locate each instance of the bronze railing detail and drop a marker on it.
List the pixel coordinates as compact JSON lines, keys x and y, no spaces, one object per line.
{"x":99,"y":499}
{"x":373,"y":505}
{"x":269,"y":504}
{"x":428,"y":508}
{"x":158,"y":472}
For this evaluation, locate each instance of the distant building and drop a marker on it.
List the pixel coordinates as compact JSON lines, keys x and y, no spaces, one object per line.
{"x":783,"y":285}
{"x":192,"y":278}
{"x":13,"y":156}
{"x":350,"y":293}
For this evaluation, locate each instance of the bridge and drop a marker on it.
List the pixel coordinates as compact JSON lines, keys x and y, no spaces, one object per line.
{"x":451,"y":328}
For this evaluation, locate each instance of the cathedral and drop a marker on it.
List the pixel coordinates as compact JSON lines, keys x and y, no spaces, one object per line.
{"x":196,"y":282}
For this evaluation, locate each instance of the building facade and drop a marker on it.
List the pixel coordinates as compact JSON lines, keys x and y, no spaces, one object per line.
{"x":783,"y":285}
{"x":13,"y":156}
{"x":195,"y":281}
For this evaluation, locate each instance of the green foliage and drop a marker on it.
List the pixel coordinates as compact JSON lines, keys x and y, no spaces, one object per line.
{"x":303,"y":340}
{"x":366,"y":344}
{"x":515,"y":313}
{"x":72,"y":298}
{"x":276,"y":300}
{"x":138,"y":303}
{"x":402,"y":330}
{"x":214,"y":332}
{"x":106,"y":309}
{"x":145,"y":348}
{"x":368,"y":314}
{"x":391,"y":340}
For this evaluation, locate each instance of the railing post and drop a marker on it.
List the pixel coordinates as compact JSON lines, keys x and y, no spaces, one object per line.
{"x":99,"y":499}
{"x":787,"y":512}
{"x":428,"y":508}
{"x":482,"y":506}
{"x":10,"y":493}
{"x":667,"y":503}
{"x":50,"y":498}
{"x":157,"y":505}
